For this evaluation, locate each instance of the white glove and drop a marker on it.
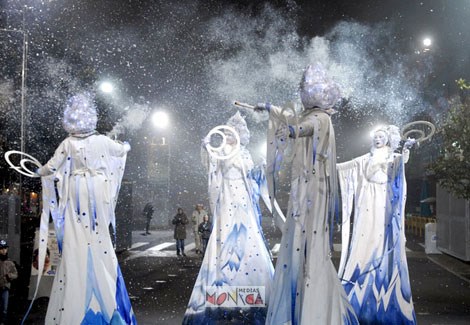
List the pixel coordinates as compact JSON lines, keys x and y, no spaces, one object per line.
{"x":260,"y":107}
{"x":206,"y":141}
{"x":410,"y":142}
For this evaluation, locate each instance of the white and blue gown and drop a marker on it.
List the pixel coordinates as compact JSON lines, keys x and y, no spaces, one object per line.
{"x":306,"y":288}
{"x":373,"y":266}
{"x":80,"y":188}
{"x":236,"y":254}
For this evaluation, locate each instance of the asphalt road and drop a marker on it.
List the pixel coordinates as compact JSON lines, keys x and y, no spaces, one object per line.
{"x":160,"y":283}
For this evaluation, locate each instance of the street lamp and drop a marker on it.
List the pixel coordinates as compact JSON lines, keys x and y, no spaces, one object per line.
{"x":160,"y":119}
{"x":106,"y":87}
{"x":159,"y":168}
{"x":427,"y":42}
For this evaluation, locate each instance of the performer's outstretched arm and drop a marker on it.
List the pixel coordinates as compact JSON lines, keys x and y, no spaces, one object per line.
{"x":55,"y":162}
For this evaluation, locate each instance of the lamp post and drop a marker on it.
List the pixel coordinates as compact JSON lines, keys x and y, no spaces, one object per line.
{"x":159,"y":164}
{"x":24,"y":34}
{"x":23,"y":81}
{"x":16,"y":233}
{"x":23,"y":94}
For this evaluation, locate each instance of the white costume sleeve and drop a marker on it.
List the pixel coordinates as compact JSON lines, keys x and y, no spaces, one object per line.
{"x":55,"y":162}
{"x":347,"y":178}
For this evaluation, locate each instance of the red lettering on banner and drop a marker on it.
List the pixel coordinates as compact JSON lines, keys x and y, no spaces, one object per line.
{"x":221,"y":298}
{"x":259,"y":300}
{"x":210,"y":298}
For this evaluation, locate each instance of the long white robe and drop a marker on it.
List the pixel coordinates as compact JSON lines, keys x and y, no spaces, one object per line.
{"x":306,"y":287}
{"x":373,"y":265}
{"x":88,"y":287}
{"x":236,"y":254}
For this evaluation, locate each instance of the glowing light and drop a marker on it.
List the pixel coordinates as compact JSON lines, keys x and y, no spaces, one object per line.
{"x":427,"y":42}
{"x":160,"y":119}
{"x":106,"y":87}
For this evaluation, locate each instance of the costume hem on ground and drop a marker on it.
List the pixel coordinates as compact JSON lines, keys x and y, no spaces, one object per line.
{"x":81,"y":194}
{"x":373,"y":265}
{"x":236,"y":274}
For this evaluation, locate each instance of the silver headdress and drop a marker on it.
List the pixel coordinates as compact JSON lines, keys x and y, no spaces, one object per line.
{"x":393,"y":135}
{"x":239,"y":124}
{"x":80,"y":114}
{"x":317,"y":90}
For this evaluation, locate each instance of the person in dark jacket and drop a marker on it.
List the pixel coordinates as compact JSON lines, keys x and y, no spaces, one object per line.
{"x":205,"y":229}
{"x":148,"y":213}
{"x":8,"y":273}
{"x":180,"y":220}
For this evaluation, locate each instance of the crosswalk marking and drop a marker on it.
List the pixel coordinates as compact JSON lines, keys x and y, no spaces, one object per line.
{"x":159,"y":251}
{"x":138,"y":244}
{"x":189,"y":247}
{"x":160,"y":247}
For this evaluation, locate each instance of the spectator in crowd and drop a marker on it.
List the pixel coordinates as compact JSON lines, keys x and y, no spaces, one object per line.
{"x":148,"y":213}
{"x":197,"y":218}
{"x":8,"y":273}
{"x":180,"y":220}
{"x":204,"y":231}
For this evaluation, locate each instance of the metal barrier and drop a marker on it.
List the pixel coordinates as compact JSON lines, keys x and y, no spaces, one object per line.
{"x":416,"y":224}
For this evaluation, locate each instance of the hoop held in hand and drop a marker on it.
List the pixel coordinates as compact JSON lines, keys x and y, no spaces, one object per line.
{"x":22,"y":169}
{"x":424,"y":129}
{"x":219,"y":151}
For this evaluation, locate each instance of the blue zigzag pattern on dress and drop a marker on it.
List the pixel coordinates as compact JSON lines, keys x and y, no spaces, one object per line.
{"x":92,"y":318}
{"x":393,"y":314}
{"x":366,"y":310}
{"x":122,"y":300}
{"x":399,"y":222}
{"x":91,"y":290}
{"x":350,"y":318}
{"x":292,"y":267}
{"x":257,"y":176}
{"x":121,"y":316}
{"x":388,"y":269}
{"x":233,"y":250}
{"x":396,"y":225}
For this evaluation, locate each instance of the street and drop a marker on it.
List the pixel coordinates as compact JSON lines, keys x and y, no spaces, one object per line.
{"x":160,"y":283}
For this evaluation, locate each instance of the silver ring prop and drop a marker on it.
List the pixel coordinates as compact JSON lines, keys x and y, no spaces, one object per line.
{"x":22,"y":168}
{"x":423,"y":129}
{"x":220,"y":152}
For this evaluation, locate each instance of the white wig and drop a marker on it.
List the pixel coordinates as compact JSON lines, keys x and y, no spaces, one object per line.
{"x":239,"y":124}
{"x":80,"y":114}
{"x":393,"y":136}
{"x":317,"y":90}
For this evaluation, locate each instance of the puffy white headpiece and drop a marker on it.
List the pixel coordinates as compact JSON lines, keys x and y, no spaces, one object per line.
{"x":239,"y":124}
{"x":80,"y":114}
{"x":317,"y":90}
{"x":393,"y":135}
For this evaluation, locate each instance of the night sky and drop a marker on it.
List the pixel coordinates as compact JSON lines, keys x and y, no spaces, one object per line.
{"x":194,"y":58}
